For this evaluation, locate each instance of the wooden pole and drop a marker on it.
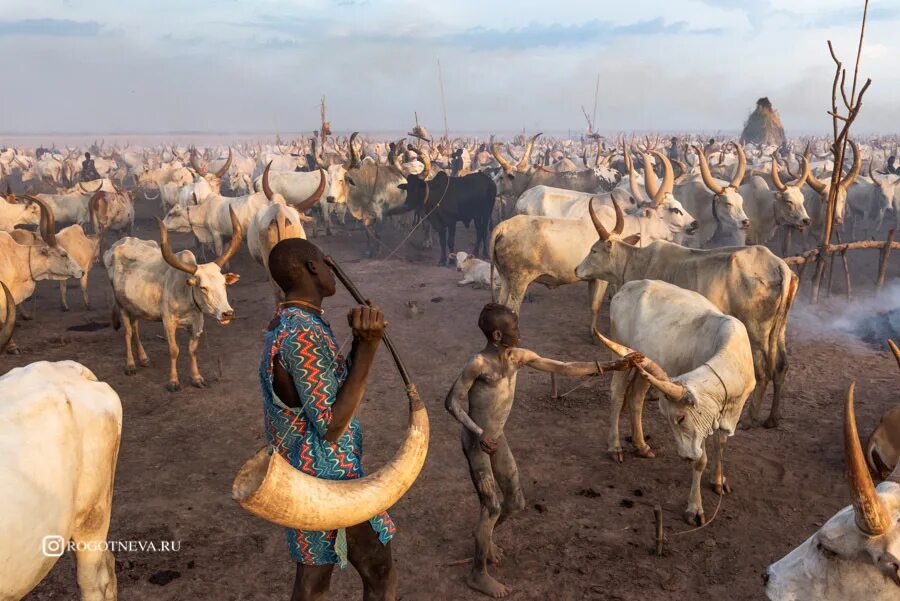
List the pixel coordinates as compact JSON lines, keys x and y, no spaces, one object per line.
{"x":883,"y":261}
{"x":443,"y":100}
{"x":554,"y":387}
{"x":596,"y":93}
{"x":847,"y":274}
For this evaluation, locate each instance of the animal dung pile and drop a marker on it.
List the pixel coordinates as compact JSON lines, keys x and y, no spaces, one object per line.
{"x":763,"y":126}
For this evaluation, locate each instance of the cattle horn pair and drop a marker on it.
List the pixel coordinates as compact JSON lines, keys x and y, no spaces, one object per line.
{"x":655,"y":192}
{"x":9,"y":324}
{"x":314,"y":197}
{"x":221,"y":172}
{"x":820,"y":186}
{"x":526,"y":158}
{"x":495,"y":152}
{"x":776,"y":179}
{"x":872,"y":515}
{"x":269,"y":487}
{"x":652,"y":372}
{"x":90,"y":192}
{"x":237,"y":234}
{"x":198,"y":168}
{"x":598,"y":225}
{"x":707,"y":176}
{"x":48,"y":220}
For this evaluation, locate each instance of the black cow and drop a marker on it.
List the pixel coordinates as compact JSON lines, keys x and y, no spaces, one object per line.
{"x":444,"y":200}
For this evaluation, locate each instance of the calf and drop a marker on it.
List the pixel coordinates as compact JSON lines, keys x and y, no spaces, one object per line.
{"x":475,"y":271}
{"x":680,"y":332}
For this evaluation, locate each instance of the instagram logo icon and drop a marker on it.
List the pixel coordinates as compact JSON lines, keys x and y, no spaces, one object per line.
{"x":53,"y":545}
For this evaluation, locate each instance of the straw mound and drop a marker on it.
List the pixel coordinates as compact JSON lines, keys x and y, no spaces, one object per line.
{"x":763,"y":126}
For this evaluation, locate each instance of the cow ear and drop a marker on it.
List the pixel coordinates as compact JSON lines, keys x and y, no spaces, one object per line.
{"x":452,"y":256}
{"x":402,"y":186}
{"x":191,"y":281}
{"x":231,"y":278}
{"x":632,"y":239}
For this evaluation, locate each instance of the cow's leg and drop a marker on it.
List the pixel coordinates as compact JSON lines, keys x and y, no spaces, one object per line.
{"x":694,"y":512}
{"x":780,"y":369}
{"x":12,"y":348}
{"x":130,"y":368}
{"x":326,"y":217}
{"x":516,"y":292}
{"x":717,"y":472}
{"x":196,"y":379}
{"x":62,"y":295}
{"x":451,"y":236}
{"x":24,"y":313}
{"x":617,"y":400}
{"x":169,"y":326}
{"x":83,"y":284}
{"x":442,"y":234}
{"x":762,"y":383}
{"x":141,"y":353}
{"x":636,"y":393}
{"x":596,"y":292}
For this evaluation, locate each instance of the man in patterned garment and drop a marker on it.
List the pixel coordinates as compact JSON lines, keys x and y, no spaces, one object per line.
{"x":310,"y":397}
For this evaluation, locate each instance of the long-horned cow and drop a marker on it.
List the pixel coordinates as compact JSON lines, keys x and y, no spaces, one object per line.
{"x":151,"y":282}
{"x":710,"y":352}
{"x":768,"y":209}
{"x":854,"y":556}
{"x":749,"y":283}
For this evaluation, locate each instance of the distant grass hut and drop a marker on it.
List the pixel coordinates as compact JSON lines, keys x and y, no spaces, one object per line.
{"x":763,"y":126}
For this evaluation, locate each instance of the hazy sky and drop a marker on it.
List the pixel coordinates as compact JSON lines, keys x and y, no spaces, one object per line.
{"x":262,"y":65}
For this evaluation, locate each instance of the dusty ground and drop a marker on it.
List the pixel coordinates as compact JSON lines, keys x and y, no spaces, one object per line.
{"x":588,"y":529}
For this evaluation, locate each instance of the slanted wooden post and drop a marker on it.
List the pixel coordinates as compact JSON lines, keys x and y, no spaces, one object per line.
{"x":883,"y":261}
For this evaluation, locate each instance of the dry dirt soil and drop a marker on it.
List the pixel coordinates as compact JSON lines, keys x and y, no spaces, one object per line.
{"x":588,"y":529}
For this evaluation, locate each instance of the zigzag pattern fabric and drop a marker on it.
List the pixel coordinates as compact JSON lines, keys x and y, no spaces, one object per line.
{"x":304,"y":344}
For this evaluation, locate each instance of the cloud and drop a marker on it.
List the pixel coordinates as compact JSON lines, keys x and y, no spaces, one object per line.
{"x":50,"y":27}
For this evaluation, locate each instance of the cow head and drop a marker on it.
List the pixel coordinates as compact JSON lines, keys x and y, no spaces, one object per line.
{"x":728,"y":204}
{"x":206,"y":280}
{"x":178,"y":219}
{"x":607,"y":257}
{"x":824,"y":187}
{"x":668,"y":208}
{"x":418,"y":193}
{"x":57,"y":262}
{"x":338,"y":186}
{"x":856,"y":554}
{"x":883,"y":194}
{"x":789,"y":207}
{"x":459,"y":258}
{"x":513,"y":179}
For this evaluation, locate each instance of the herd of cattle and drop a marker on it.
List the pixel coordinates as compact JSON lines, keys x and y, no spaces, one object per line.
{"x":680,"y":231}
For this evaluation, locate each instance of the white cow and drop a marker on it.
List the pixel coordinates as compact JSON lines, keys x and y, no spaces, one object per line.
{"x":14,"y":212}
{"x":60,"y":430}
{"x":768,"y":209}
{"x":474,"y":270}
{"x":854,"y":556}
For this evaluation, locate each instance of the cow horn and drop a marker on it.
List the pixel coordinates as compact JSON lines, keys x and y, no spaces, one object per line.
{"x":90,"y":192}
{"x":9,"y":324}
{"x":269,"y":487}
{"x":197,"y":168}
{"x":854,"y":170}
{"x":504,"y":164}
{"x":650,"y":370}
{"x":682,"y":169}
{"x":619,"y":349}
{"x":221,"y":172}
{"x":598,"y":225}
{"x":620,"y":218}
{"x":651,"y":185}
{"x":872,"y":516}
{"x":167,"y":254}
{"x":354,"y":155}
{"x":776,"y":180}
{"x":872,"y":173}
{"x":798,"y":183}
{"x":426,"y":161}
{"x":314,"y":198}
{"x":816,"y":184}
{"x":894,"y":350}
{"x":668,"y":183}
{"x":526,"y":158}
{"x":267,"y":189}
{"x":237,"y":234}
{"x":632,"y":176}
{"x":705,"y":174}
{"x":48,"y":221}
{"x":398,"y":152}
{"x":742,"y":165}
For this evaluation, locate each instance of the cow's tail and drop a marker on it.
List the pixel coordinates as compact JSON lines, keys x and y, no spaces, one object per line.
{"x":116,"y":316}
{"x":790,"y":284}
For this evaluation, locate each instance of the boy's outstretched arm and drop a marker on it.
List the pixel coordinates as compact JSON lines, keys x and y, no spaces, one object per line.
{"x":577,"y":368}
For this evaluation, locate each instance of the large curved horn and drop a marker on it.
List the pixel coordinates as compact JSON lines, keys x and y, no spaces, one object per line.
{"x":895,"y":350}
{"x":9,"y":324}
{"x":668,"y":184}
{"x":854,"y":170}
{"x":167,"y":253}
{"x":705,"y":174}
{"x":816,"y":184}
{"x":426,"y":161}
{"x":872,"y":516}
{"x":872,"y":173}
{"x":237,"y":234}
{"x":221,"y":172}
{"x":354,"y":154}
{"x":798,"y":183}
{"x":651,"y":185}
{"x":48,"y":221}
{"x":270,"y":488}
{"x":598,"y":225}
{"x":526,"y":158}
{"x":89,"y":192}
{"x":649,"y":369}
{"x":267,"y":189}
{"x":620,"y":218}
{"x":495,"y":151}
{"x":776,"y":179}
{"x":316,"y":195}
{"x":632,"y":176}
{"x":742,"y":165}
{"x":398,"y":153}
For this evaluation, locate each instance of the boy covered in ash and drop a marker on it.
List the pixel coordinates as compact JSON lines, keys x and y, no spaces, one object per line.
{"x":488,"y":384}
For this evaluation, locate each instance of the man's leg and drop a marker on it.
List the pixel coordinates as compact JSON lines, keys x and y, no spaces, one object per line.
{"x":506,"y":473}
{"x":312,"y":582}
{"x":373,"y":562}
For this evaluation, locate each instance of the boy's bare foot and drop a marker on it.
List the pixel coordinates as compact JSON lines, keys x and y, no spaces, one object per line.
{"x":485,"y":583}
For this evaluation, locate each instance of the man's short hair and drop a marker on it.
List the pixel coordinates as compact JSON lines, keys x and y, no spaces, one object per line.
{"x":87,"y":155}
{"x":288,"y":259}
{"x":492,"y":316}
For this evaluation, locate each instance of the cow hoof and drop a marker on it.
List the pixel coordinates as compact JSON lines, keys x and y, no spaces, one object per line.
{"x":772,"y":422}
{"x":618,"y":455}
{"x":65,"y":309}
{"x":694,"y":518}
{"x":145,"y":362}
{"x":442,"y":263}
{"x":173,"y":386}
{"x":722,"y":489}
{"x":13,"y":350}
{"x":646,"y":453}
{"x":88,"y":308}
{"x":198,"y":382}
{"x":130,"y":370}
